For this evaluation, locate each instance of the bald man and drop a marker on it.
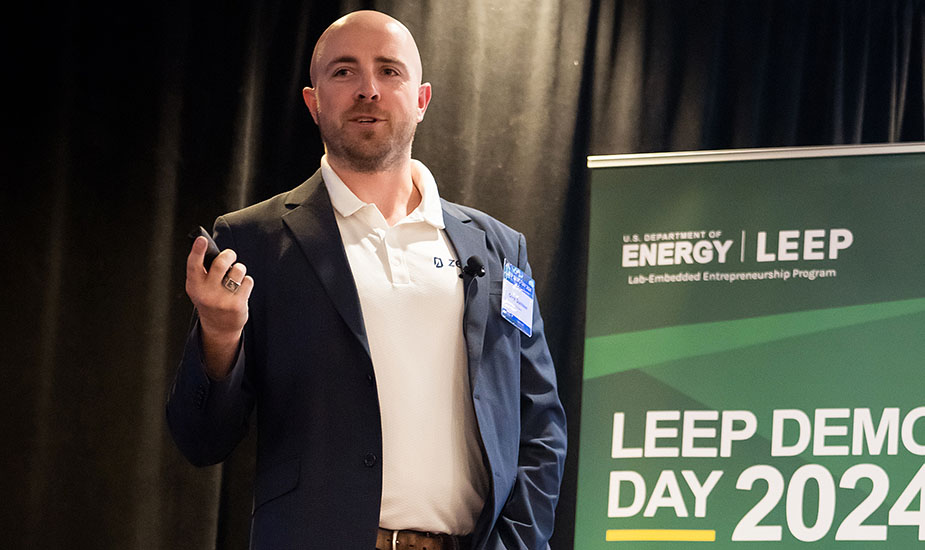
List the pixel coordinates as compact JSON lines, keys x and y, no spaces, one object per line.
{"x":389,"y":340}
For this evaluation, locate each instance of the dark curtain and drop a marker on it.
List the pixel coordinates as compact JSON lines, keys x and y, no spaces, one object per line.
{"x":127,"y":124}
{"x":710,"y":74}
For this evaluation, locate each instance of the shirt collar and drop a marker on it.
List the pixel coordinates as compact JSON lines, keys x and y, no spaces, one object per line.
{"x":346,"y":203}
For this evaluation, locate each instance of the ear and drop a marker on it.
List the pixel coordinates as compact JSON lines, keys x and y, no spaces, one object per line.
{"x":424,"y":93}
{"x":311,"y":101}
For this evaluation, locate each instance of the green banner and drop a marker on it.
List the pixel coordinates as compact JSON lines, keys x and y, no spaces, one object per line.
{"x":755,"y":351}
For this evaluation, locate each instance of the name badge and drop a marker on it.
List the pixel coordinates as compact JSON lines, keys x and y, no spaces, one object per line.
{"x":517,"y":298}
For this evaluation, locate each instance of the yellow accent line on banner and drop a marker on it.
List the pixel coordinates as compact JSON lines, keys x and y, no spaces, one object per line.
{"x":661,"y":535}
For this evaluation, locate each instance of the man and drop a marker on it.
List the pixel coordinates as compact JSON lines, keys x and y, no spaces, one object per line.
{"x":397,"y":407}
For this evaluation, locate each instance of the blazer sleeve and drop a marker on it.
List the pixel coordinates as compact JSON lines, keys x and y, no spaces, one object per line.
{"x":526,"y":520}
{"x":207,"y":418}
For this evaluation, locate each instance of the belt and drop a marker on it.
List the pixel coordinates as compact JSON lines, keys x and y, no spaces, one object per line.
{"x":387,"y":539}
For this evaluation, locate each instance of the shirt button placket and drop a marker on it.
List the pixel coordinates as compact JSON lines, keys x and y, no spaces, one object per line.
{"x":396,"y":259}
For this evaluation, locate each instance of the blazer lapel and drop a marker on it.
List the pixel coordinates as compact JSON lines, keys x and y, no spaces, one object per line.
{"x":469,"y":241}
{"x":311,"y":220}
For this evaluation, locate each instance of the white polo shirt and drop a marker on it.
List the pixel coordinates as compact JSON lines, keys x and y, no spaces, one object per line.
{"x":407,"y":277}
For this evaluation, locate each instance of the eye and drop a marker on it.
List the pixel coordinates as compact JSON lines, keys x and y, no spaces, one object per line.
{"x":343,"y":71}
{"x":389,"y":71}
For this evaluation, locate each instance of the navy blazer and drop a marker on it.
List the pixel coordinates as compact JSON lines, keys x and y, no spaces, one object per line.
{"x":305,"y":364}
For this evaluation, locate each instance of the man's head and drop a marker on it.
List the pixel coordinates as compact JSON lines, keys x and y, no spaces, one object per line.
{"x":367,"y":97}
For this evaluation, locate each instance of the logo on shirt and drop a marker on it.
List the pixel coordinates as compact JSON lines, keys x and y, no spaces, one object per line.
{"x":450,"y":262}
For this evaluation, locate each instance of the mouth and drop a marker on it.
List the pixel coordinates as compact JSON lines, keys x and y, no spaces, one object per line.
{"x":365,"y":118}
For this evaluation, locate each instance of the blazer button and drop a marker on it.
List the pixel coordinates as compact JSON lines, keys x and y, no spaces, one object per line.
{"x":370,"y":460}
{"x":371,"y":380}
{"x":200,"y":397}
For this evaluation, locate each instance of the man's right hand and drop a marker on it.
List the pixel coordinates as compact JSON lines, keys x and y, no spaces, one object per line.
{"x":222,"y":313}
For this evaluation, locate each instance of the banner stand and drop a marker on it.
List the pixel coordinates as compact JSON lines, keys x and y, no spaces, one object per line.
{"x":754,"y":372}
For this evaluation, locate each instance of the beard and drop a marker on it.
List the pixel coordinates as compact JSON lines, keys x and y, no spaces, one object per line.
{"x":367,"y":151}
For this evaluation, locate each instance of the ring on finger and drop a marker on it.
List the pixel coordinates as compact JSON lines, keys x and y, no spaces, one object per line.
{"x":230,"y":284}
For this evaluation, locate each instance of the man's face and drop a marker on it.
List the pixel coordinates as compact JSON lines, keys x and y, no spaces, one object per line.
{"x":367,"y":98}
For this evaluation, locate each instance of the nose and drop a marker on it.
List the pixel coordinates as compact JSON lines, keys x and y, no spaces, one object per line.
{"x":367,"y":89}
